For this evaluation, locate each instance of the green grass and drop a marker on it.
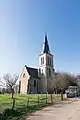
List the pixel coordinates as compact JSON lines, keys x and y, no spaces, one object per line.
{"x":22,"y":106}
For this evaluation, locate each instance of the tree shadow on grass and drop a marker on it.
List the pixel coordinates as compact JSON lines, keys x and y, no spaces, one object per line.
{"x":18,"y":113}
{"x":10,"y":114}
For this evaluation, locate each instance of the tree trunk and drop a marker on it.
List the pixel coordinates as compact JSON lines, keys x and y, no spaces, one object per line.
{"x":56,"y":91}
{"x":12,"y":93}
{"x":13,"y":103}
{"x":61,"y":95}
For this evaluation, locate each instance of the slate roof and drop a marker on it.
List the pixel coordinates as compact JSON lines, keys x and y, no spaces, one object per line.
{"x":46,"y":46}
{"x":33,"y":72}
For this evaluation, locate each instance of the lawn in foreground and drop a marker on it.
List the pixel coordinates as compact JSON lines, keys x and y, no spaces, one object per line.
{"x":23,"y":104}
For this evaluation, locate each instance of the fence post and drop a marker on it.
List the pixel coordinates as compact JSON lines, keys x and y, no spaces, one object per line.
{"x":46,"y":98}
{"x":13,"y":104}
{"x":28,"y":102}
{"x":38,"y":99}
{"x":51,"y":98}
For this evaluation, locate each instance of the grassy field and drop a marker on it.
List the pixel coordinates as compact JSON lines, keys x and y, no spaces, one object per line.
{"x":23,"y":104}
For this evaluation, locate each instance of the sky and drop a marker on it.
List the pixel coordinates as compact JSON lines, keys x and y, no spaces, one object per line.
{"x":23,"y":24}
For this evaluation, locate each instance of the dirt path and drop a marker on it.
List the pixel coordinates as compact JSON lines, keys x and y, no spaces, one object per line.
{"x":60,"y":111}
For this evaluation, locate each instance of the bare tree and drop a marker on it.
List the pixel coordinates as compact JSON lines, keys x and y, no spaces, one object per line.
{"x":78,"y":76}
{"x":10,"y":82}
{"x":2,"y":84}
{"x":62,"y":82}
{"x":78,"y":80}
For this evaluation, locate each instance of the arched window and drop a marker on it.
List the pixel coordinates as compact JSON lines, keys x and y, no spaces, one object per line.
{"x":48,"y":60}
{"x":49,"y":72}
{"x":43,"y":60}
{"x":23,"y":75}
{"x":52,"y":62}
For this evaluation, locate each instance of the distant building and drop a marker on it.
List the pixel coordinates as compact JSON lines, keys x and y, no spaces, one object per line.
{"x":39,"y":80}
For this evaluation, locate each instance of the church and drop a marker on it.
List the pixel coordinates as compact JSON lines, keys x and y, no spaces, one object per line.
{"x":39,"y":80}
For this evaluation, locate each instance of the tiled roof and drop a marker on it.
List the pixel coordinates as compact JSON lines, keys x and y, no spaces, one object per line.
{"x":33,"y":72}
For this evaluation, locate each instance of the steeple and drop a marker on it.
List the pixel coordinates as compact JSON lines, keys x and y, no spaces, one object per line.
{"x":46,"y":67}
{"x":46,"y":45}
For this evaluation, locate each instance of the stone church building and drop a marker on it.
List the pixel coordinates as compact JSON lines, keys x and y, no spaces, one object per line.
{"x":39,"y":80}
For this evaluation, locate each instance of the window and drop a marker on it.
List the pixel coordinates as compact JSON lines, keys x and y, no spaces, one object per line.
{"x":49,"y":72}
{"x":34,"y":83}
{"x":52,"y":62}
{"x":23,"y":75}
{"x":41,"y":61}
{"x":48,"y":60}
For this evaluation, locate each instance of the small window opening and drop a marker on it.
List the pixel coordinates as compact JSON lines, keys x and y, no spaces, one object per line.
{"x":23,"y":75}
{"x":34,"y":83}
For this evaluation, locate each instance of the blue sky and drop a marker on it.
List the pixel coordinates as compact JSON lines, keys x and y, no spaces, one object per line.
{"x":22,"y":27}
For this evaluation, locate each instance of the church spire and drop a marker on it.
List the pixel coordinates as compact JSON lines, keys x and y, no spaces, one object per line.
{"x":46,"y":45}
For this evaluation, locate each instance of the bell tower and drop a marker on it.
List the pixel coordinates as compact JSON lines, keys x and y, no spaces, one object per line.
{"x":46,"y":67}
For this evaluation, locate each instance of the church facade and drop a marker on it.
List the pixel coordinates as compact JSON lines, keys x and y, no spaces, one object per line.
{"x":39,"y":80}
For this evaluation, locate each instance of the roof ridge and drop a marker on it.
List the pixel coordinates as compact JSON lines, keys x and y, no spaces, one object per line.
{"x":30,"y":67}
